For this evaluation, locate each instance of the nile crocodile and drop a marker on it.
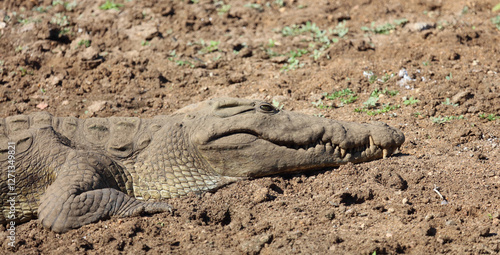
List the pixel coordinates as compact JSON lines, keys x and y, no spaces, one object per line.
{"x":69,"y":172}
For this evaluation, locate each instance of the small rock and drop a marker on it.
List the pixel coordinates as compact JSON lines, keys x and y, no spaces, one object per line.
{"x":261,"y":195}
{"x":56,"y":79}
{"x":236,"y":78}
{"x":96,"y":106}
{"x":245,"y":53}
{"x":451,"y":223}
{"x":42,"y":105}
{"x":460,"y":97}
{"x":89,"y":53}
{"x":279,"y":59}
{"x":484,"y":231}
{"x":420,"y":26}
{"x":405,"y":201}
{"x":330,"y":215}
{"x":429,"y":217}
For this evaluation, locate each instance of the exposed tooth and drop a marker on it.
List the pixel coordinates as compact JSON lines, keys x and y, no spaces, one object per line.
{"x":329,"y":148}
{"x":342,"y":152}
{"x":319,"y":148}
{"x":385,"y":153}
{"x":372,"y":143}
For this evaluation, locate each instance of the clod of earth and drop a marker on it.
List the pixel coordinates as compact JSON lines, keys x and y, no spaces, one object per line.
{"x":71,"y":172}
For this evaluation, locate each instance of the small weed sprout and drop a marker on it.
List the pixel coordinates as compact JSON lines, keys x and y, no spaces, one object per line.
{"x":23,"y":71}
{"x":386,"y":28}
{"x":496,"y":20}
{"x":448,"y":102}
{"x":345,"y":96}
{"x":489,"y":117}
{"x":410,"y":101}
{"x":211,"y":47}
{"x":60,"y":20}
{"x":277,"y":104}
{"x":224,"y":8}
{"x":449,"y":77}
{"x":255,"y":6}
{"x":340,"y":30}
{"x":110,"y":5}
{"x":372,"y":103}
{"x":85,"y":43}
{"x":442,"y":120}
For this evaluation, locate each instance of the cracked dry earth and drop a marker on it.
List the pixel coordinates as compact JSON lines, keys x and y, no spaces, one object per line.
{"x":145,"y":58}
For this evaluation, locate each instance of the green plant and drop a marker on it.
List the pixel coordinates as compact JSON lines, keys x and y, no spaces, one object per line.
{"x":489,"y":117}
{"x":223,"y":9}
{"x":372,"y":78}
{"x":386,"y":91}
{"x":211,"y":47}
{"x":384,"y":28}
{"x":184,"y":63}
{"x":280,"y":3}
{"x":255,"y":6}
{"x":145,"y":43}
{"x":444,"y":119}
{"x":110,"y":5}
{"x":496,"y":8}
{"x":319,"y":104}
{"x":496,"y":21}
{"x":340,"y":30}
{"x":386,"y":77}
{"x":449,"y":77}
{"x":277,"y":104}
{"x":293,"y":62}
{"x":345,"y":96}
{"x":410,"y":101}
{"x":67,"y":5}
{"x":448,"y":102}
{"x":417,"y":114}
{"x":85,"y":43}
{"x":23,"y":71}
{"x":371,"y":102}
{"x":426,"y":63}
{"x":60,"y":20}
{"x":385,"y":108}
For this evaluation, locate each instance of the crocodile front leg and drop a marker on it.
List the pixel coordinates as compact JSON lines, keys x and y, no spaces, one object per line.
{"x":83,"y":194}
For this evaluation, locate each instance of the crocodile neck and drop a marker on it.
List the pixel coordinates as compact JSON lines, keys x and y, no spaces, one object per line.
{"x":170,"y":167}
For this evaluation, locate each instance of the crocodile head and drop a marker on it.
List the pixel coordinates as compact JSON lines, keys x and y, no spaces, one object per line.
{"x":248,"y":138}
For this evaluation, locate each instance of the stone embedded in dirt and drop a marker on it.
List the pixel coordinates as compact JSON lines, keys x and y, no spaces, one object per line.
{"x":236,"y":78}
{"x":42,"y":105}
{"x":90,"y":53}
{"x":461,"y":97}
{"x":484,"y":231}
{"x":97,"y":106}
{"x":420,"y":26}
{"x":261,"y":195}
{"x":56,"y":79}
{"x":255,"y":244}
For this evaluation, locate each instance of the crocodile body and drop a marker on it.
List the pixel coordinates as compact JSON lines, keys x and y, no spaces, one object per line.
{"x":69,"y":172}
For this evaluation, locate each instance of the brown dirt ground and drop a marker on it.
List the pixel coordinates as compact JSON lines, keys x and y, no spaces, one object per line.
{"x":153,"y":57}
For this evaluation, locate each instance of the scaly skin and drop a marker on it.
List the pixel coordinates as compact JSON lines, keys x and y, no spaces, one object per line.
{"x":71,"y":172}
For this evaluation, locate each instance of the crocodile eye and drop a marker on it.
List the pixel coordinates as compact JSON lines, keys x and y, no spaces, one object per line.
{"x":267,"y":108}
